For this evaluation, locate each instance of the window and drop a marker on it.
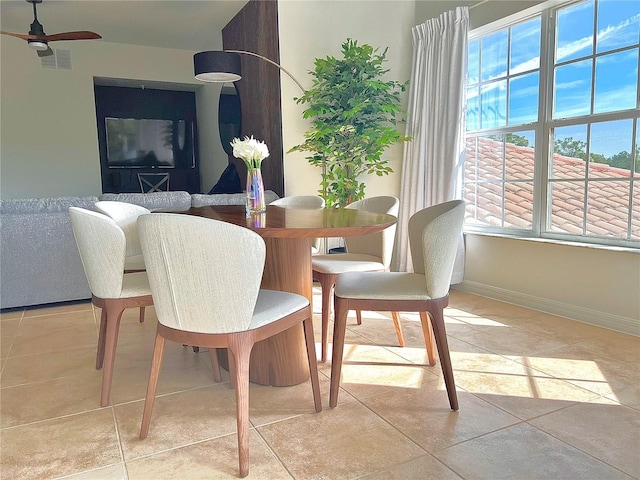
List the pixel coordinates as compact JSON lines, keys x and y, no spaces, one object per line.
{"x":553,"y":134}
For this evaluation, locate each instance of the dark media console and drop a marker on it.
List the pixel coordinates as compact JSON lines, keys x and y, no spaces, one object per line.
{"x":147,"y":139}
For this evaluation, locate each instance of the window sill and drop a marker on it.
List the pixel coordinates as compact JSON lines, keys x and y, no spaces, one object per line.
{"x":610,"y":248}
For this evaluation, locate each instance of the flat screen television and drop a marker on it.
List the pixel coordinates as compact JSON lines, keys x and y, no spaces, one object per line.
{"x":134,"y":142}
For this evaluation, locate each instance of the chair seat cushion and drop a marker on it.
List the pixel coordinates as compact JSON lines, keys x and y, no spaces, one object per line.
{"x":382,"y":286}
{"x":346,"y":262}
{"x":135,"y":285}
{"x":272,"y":305}
{"x":134,"y":262}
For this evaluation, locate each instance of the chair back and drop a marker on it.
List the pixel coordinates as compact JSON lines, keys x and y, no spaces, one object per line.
{"x":126,"y":216}
{"x":302,"y":201}
{"x":376,"y":244}
{"x":102,"y":246}
{"x":204,"y":274}
{"x":434,"y":234}
{"x":153,"y":182}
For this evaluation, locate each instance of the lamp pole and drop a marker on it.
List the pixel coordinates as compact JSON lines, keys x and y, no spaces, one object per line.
{"x":272,"y":63}
{"x":212,"y":67}
{"x":324,"y":168}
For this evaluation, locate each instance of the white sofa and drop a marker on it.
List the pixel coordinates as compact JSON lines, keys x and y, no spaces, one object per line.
{"x":39,"y":260}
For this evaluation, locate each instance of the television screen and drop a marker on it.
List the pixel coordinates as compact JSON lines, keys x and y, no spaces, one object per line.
{"x":145,"y":142}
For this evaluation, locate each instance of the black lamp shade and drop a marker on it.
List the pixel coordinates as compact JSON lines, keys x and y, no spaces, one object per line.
{"x":217,"y":66}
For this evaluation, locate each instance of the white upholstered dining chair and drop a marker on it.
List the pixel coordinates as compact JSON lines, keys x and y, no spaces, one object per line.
{"x":205,"y":277}
{"x":434,"y":234}
{"x":300,"y":201}
{"x":303,"y":201}
{"x":126,"y":216}
{"x":102,"y":246}
{"x":363,"y":253}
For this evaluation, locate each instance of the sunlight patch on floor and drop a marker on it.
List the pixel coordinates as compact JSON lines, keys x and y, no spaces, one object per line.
{"x":372,"y":365}
{"x":490,"y":374}
{"x":405,"y":376}
{"x":471,"y":319}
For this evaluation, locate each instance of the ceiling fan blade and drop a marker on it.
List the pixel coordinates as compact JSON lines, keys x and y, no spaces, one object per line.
{"x":45,"y":53}
{"x":80,"y":35}
{"x":23,"y":36}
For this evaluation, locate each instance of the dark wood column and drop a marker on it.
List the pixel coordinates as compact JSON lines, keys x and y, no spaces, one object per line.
{"x":255,"y":29}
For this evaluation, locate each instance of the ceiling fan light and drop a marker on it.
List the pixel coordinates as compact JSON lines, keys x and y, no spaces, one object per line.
{"x":217,"y":66}
{"x":38,"y":45}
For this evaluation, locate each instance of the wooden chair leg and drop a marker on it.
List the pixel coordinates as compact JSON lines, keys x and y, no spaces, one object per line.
{"x":101,"y":337}
{"x":114,"y":314}
{"x":141,"y":314}
{"x":232,"y":369}
{"x":215,"y":365}
{"x":398,"y":327}
{"x":313,"y":362}
{"x":241,"y":351}
{"x":427,"y":332}
{"x":437,"y":320}
{"x":339,"y":328}
{"x":327,"y":282}
{"x":358,"y":317}
{"x":156,"y":364}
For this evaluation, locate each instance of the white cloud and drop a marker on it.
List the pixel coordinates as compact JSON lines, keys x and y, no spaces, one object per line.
{"x":531,"y":91}
{"x":531,"y":64}
{"x":610,"y":32}
{"x":613,"y":32}
{"x":582,"y":84}
{"x":566,"y":51}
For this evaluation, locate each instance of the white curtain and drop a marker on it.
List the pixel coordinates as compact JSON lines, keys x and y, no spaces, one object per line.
{"x":433,"y":161}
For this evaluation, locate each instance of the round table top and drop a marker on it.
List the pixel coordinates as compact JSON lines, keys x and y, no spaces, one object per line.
{"x":292,"y":222}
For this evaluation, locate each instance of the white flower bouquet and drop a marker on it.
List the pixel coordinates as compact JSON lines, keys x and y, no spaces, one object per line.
{"x":250,"y":150}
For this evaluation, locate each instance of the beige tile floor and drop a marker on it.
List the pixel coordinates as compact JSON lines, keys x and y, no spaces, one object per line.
{"x":541,"y":397}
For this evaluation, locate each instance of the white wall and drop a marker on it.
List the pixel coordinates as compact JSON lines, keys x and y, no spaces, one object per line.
{"x":48,"y":136}
{"x":213,"y":158}
{"x":310,"y":30}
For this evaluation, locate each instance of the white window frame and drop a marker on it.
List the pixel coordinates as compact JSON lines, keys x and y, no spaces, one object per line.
{"x":543,"y":128}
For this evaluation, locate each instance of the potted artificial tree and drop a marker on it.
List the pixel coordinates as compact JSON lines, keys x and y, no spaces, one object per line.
{"x":353,"y":114}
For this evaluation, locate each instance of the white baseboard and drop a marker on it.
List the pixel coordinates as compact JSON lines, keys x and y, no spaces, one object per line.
{"x":574,"y":312}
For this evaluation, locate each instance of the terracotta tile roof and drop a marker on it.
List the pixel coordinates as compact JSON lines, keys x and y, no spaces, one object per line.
{"x":607,"y":202}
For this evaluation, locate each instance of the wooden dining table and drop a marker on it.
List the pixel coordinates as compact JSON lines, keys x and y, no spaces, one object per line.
{"x":288,"y":233}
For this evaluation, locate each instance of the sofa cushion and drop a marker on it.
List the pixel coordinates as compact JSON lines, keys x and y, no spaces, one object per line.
{"x":45,"y":205}
{"x":152,"y":201}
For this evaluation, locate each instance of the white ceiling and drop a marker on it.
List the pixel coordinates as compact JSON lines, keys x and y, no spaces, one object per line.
{"x":182,"y":24}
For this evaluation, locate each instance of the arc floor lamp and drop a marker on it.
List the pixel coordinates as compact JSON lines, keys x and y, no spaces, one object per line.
{"x":224,"y":66}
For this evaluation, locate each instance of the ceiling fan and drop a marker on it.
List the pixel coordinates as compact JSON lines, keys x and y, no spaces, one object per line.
{"x":39,"y":41}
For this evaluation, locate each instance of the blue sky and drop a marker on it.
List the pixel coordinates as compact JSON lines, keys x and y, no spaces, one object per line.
{"x":616,"y":72}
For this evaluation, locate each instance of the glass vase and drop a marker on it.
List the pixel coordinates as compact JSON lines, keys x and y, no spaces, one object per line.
{"x":255,"y":191}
